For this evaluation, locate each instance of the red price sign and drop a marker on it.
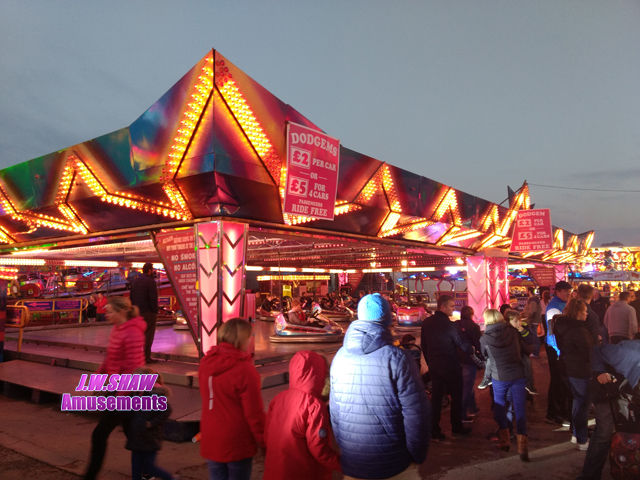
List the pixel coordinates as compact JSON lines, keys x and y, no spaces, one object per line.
{"x":313,"y":159}
{"x":532,"y":232}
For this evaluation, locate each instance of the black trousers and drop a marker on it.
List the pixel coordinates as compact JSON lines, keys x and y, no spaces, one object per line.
{"x":107,"y":424}
{"x":559,"y":397}
{"x":443,"y":380}
{"x":150,"y":318}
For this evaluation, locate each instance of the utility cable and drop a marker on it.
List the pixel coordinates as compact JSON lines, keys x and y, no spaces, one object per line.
{"x":585,"y":189}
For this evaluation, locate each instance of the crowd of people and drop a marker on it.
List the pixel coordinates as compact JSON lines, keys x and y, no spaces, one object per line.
{"x":372,"y":399}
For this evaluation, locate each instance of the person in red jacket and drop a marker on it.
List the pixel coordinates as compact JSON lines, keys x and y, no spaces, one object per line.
{"x":298,"y":431}
{"x":125,"y":353}
{"x":100,"y":305}
{"x":232,"y":422}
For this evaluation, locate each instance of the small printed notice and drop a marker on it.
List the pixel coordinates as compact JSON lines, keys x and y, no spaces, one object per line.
{"x":177,"y":250}
{"x":532,"y":232}
{"x":313,"y":160}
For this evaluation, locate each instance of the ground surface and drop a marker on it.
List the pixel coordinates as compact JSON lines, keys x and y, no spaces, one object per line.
{"x":39,"y":441}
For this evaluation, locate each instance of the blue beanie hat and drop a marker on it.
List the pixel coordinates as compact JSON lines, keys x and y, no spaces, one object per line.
{"x":374,"y":308}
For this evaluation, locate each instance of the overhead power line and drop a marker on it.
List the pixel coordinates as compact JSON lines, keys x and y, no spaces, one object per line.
{"x":585,"y":189}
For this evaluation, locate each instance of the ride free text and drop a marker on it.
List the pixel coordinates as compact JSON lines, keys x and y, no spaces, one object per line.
{"x":119,"y":383}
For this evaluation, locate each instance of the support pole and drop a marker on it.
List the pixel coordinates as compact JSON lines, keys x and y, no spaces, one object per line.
{"x":221,"y":257}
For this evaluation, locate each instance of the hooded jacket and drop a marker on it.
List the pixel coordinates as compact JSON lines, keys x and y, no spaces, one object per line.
{"x":504,"y":345}
{"x":232,"y":422}
{"x":298,"y":433}
{"x":621,"y":320}
{"x":379,"y":410}
{"x":141,"y":438}
{"x":125,"y":351}
{"x":574,"y":342}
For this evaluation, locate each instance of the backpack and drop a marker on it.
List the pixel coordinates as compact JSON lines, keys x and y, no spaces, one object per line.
{"x":625,"y":443}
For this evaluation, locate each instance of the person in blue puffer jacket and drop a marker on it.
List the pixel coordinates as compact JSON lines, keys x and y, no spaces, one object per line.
{"x":379,"y":409}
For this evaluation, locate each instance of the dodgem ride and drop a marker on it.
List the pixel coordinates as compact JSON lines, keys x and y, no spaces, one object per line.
{"x":316,"y":328}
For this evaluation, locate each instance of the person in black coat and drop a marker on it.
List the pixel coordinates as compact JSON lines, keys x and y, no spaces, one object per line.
{"x":144,"y":295}
{"x":440,"y":343}
{"x":144,"y":434}
{"x":504,"y":347}
{"x":470,"y":333}
{"x":575,"y":342}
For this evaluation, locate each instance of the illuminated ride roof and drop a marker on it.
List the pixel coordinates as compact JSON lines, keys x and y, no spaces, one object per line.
{"x":213,"y":146}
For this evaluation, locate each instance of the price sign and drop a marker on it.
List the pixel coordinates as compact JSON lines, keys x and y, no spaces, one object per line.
{"x":313,"y":159}
{"x":532,"y":232}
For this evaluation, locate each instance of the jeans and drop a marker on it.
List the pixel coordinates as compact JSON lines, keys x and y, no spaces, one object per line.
{"x":240,"y":470}
{"x":559,"y":397}
{"x":581,"y":407}
{"x":500,"y":406}
{"x":616,"y":339}
{"x":536,"y":341}
{"x":441,"y":380}
{"x":146,"y":462}
{"x":469,"y":405}
{"x":600,"y":443}
{"x":107,"y":424}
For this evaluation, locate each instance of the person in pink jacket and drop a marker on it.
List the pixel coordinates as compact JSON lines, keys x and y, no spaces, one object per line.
{"x":298,"y":430}
{"x":125,"y":353}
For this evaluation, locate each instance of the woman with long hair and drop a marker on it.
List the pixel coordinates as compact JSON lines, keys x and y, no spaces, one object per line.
{"x":232,"y":423}
{"x":125,"y":353}
{"x":575,"y":342}
{"x":504,"y":346}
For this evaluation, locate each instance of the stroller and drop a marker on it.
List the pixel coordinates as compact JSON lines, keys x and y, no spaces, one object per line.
{"x":408,"y":343}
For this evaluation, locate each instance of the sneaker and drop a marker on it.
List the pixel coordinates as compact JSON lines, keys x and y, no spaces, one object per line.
{"x":583,"y":447}
{"x":474,"y":414}
{"x":574,"y":439}
{"x":467,"y":419}
{"x":566,"y":423}
{"x":438,"y":437}
{"x":533,"y":355}
{"x":461,"y":432}
{"x":531,"y":390}
{"x":486,"y":381}
{"x":554,"y":420}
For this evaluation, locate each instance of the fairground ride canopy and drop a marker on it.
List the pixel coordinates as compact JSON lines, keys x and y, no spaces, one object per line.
{"x":214,"y":146}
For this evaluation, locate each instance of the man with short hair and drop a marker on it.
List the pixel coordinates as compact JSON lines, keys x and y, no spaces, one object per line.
{"x":559,"y":397}
{"x":144,"y":295}
{"x":585,"y":293}
{"x":440,"y":343}
{"x":620,"y":320}
{"x":379,"y":410}
{"x":635,"y":303}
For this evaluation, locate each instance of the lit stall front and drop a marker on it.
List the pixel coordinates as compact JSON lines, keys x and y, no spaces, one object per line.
{"x":220,"y":175}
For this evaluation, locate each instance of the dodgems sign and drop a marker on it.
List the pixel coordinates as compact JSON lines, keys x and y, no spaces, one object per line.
{"x":312,"y":173}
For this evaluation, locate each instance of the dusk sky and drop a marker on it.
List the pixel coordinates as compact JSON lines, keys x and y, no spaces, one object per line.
{"x":475,"y":94}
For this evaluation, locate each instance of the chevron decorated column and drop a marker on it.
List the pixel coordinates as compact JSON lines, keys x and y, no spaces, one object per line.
{"x":487,"y":282}
{"x":220,"y":253}
{"x":561,"y":274}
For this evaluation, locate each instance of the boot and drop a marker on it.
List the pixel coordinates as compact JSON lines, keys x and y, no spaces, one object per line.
{"x":523,"y":448}
{"x":504,"y":443}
